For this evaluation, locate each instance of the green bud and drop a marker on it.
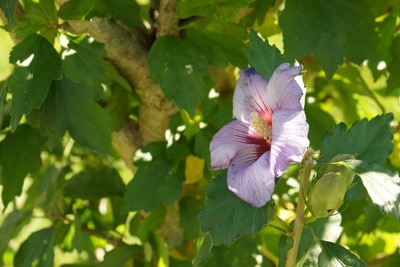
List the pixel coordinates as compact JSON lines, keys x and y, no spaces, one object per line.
{"x":327,"y":194}
{"x":335,"y":165}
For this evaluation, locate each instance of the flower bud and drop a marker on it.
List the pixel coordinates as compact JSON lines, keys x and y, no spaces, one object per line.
{"x":335,"y":166}
{"x":327,"y":194}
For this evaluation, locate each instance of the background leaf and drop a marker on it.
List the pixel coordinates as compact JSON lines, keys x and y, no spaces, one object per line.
{"x":9,"y":7}
{"x":43,"y":255}
{"x":226,"y":217}
{"x":27,"y":159}
{"x":95,"y":184}
{"x":39,"y":63}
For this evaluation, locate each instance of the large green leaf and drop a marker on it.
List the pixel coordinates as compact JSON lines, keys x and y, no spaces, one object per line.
{"x":83,"y":61}
{"x":320,"y":27}
{"x":366,"y":140}
{"x":38,"y":63}
{"x":155,"y":181}
{"x":383,"y":186}
{"x":95,"y":184}
{"x":37,"y":250}
{"x":11,"y":225}
{"x":334,"y":255}
{"x":9,"y":7}
{"x":119,"y":256}
{"x":262,"y":56}
{"x":325,"y":229}
{"x":179,"y":69}
{"x":19,"y":155}
{"x":126,"y":11}
{"x":38,"y":17}
{"x":222,"y":9}
{"x":226,"y":217}
{"x":86,"y":120}
{"x":210,"y":37}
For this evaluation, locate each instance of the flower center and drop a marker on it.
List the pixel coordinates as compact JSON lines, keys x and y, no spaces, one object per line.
{"x":262,"y":127}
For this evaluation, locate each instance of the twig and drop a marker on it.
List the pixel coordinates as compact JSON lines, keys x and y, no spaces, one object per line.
{"x":298,"y":223}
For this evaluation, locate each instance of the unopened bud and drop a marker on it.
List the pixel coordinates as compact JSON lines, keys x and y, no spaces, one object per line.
{"x":335,"y":165}
{"x":327,"y":194}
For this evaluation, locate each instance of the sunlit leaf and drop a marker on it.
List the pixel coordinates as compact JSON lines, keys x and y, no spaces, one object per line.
{"x":37,"y":64}
{"x":366,"y":140}
{"x":226,"y":217}
{"x":334,"y":255}
{"x":383,"y":186}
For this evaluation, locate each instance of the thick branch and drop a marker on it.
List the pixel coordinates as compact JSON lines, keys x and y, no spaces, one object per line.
{"x":167,"y":20}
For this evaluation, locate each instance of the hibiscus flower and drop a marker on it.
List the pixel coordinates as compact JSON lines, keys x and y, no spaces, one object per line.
{"x":269,"y":132}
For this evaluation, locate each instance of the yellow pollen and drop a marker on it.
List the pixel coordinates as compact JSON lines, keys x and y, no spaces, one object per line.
{"x":262,"y":127}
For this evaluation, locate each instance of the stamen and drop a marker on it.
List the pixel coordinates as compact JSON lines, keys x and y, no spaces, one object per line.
{"x":262,"y":127}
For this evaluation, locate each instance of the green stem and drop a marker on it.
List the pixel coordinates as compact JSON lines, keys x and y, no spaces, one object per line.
{"x":298,"y":223}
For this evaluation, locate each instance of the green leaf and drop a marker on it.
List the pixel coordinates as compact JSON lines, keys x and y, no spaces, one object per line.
{"x":321,"y":27}
{"x":95,"y":184}
{"x":226,"y":217}
{"x":324,"y":229}
{"x":223,"y":9}
{"x":383,"y":186}
{"x":263,"y":57}
{"x":75,"y":9}
{"x":204,"y":246}
{"x":366,"y":140}
{"x":393,"y":82}
{"x":210,"y":37}
{"x":38,"y":64}
{"x":124,"y":10}
{"x":39,"y":17}
{"x":334,"y":255}
{"x":119,"y":256}
{"x":189,"y":208}
{"x":151,"y":223}
{"x":155,"y":181}
{"x":27,"y":159}
{"x":9,"y":7}
{"x":37,"y":250}
{"x":11,"y":225}
{"x":78,"y":111}
{"x":83,"y":61}
{"x":179,"y":69}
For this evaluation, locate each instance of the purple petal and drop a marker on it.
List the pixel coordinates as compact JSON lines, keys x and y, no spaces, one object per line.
{"x":232,"y":138}
{"x":250,"y":95}
{"x":253,"y":182}
{"x":283,"y":90}
{"x":289,"y":139}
